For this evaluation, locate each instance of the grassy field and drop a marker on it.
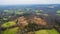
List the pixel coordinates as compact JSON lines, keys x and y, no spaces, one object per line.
{"x":11,"y":31}
{"x":8,"y":24}
{"x":52,"y":31}
{"x":15,"y":29}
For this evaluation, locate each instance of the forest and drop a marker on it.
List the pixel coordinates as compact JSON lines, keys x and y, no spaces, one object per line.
{"x":30,"y":19}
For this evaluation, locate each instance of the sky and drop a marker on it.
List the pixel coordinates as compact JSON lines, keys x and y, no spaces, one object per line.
{"x":14,"y":2}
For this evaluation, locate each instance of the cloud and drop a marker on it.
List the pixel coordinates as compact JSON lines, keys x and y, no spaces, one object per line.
{"x":9,"y":2}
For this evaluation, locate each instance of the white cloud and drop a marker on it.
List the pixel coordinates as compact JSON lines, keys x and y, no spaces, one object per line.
{"x":6,"y":2}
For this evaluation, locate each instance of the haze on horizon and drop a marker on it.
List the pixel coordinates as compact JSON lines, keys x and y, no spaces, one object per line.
{"x":15,"y":2}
